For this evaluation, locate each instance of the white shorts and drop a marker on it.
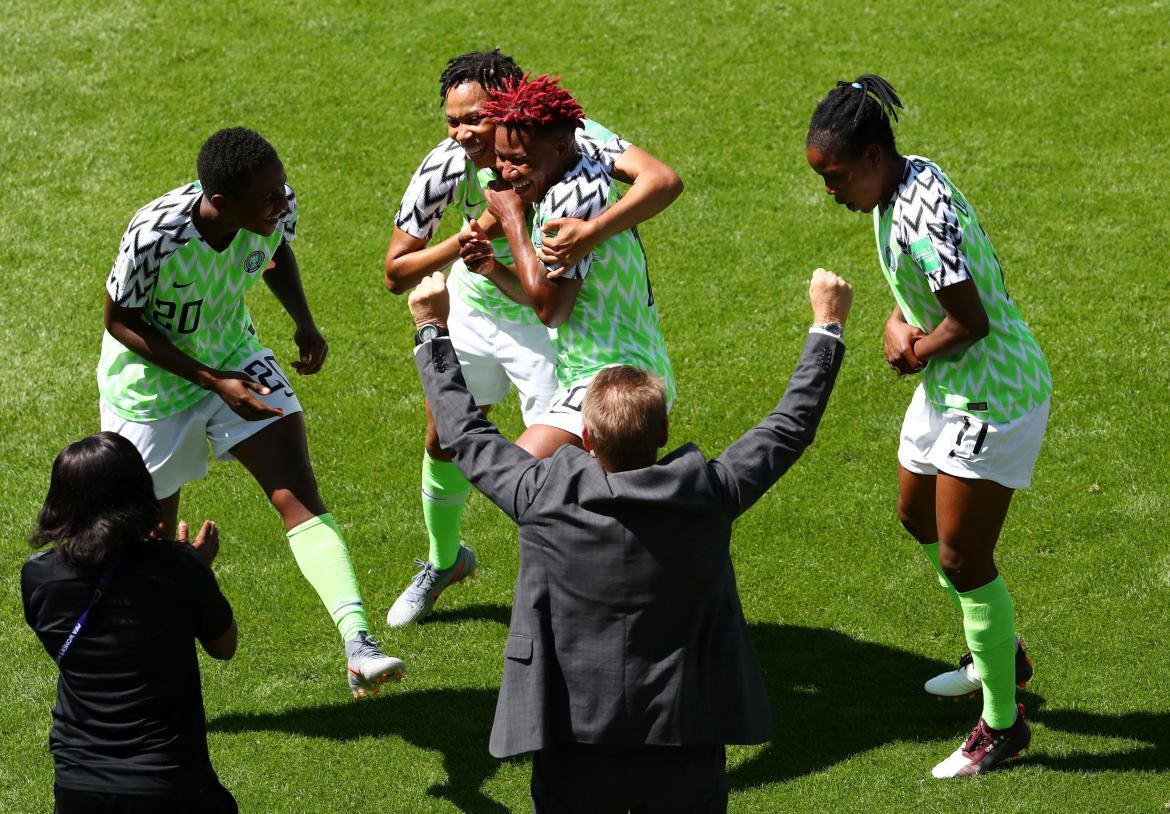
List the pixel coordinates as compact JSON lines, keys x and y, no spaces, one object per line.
{"x":494,"y":352}
{"x":175,"y":448}
{"x":963,"y":446}
{"x":564,"y":412}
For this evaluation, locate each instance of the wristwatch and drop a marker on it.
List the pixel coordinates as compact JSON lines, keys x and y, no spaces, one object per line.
{"x":428,"y":332}
{"x":833,"y":328}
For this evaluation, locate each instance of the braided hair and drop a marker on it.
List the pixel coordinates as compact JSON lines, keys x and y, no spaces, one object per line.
{"x":490,"y":69}
{"x":854,"y":115}
{"x":535,"y":103}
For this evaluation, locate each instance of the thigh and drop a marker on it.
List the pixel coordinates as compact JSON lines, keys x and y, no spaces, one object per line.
{"x":278,"y":458}
{"x":916,"y":499}
{"x":174,"y":448}
{"x":527,"y":355}
{"x":473,"y":336}
{"x":577,"y":779}
{"x":226,"y":429}
{"x":970,"y":516}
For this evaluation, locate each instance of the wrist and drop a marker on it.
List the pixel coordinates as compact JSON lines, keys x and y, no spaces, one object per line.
{"x":830,"y":327}
{"x":428,"y":330}
{"x":207,"y":378}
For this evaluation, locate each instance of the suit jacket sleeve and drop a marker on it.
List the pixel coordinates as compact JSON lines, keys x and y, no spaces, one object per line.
{"x":498,"y":468}
{"x":750,"y":466}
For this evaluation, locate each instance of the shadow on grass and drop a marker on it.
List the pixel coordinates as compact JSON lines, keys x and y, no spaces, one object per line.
{"x":1152,"y":729}
{"x":501,"y":614}
{"x":453,"y":722}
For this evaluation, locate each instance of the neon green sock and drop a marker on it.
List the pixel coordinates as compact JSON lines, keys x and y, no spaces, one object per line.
{"x":323,"y":558}
{"x":991,"y":635}
{"x":444,"y":493}
{"x":931,"y":552}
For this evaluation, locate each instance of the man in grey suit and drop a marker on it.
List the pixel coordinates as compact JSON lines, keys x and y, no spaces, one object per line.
{"x":628,"y":665}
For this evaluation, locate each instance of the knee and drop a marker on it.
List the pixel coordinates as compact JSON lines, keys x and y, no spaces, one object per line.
{"x":434,"y":449}
{"x":920,"y":528}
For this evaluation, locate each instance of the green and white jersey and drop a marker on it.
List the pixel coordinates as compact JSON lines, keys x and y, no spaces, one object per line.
{"x":192,"y":294}
{"x":614,"y":320}
{"x":445,"y":177}
{"x":928,"y":238}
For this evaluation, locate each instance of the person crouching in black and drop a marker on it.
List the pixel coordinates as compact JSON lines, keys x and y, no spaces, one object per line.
{"x":119,"y":611}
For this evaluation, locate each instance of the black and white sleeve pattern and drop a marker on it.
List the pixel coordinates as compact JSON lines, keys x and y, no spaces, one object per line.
{"x":584,"y":194}
{"x":928,"y":227}
{"x":288,"y":221}
{"x":157,"y":230}
{"x":431,"y":190}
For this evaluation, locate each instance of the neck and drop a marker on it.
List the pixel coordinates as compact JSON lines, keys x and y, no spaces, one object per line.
{"x":212,"y":224}
{"x":895,"y":169}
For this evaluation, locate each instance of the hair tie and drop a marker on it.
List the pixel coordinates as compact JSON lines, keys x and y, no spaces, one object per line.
{"x":858,"y":85}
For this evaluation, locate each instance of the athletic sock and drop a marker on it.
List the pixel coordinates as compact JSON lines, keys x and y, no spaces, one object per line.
{"x":323,"y":558}
{"x":444,"y":493}
{"x":990,"y":627}
{"x":931,"y":552}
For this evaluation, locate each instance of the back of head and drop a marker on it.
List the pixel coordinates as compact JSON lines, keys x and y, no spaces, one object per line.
{"x":855,"y":115}
{"x":536,"y":104}
{"x":100,"y":497}
{"x":228,"y":160}
{"x":625,"y":417}
{"x":489,"y":69}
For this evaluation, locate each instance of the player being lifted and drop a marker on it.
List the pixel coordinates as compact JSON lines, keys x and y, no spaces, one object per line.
{"x":974,"y":428}
{"x":181,"y":365}
{"x":497,"y":335}
{"x":600,"y":309}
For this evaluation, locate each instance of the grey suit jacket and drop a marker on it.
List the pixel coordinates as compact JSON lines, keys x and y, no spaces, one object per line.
{"x":626,"y":624}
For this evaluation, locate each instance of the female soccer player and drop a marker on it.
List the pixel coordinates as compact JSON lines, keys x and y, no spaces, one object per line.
{"x":974,"y":427}
{"x":182,"y":367}
{"x":496,"y":333}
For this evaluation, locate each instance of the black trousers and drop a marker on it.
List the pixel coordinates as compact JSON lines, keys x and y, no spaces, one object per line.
{"x":211,"y":799}
{"x":599,"y":779}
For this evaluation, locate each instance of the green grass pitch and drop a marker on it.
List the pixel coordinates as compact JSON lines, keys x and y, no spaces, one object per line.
{"x":1050,"y":116}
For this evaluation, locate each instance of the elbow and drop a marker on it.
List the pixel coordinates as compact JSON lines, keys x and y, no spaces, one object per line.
{"x":394,"y":284}
{"x":550,"y":316}
{"x":673,"y":185}
{"x":979,"y":330}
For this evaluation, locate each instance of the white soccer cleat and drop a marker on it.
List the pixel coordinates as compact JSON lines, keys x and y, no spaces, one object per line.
{"x":420,"y":596}
{"x":966,"y":681}
{"x":368,"y":668}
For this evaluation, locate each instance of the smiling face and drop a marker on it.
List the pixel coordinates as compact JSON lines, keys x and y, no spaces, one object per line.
{"x":531,"y":161}
{"x":855,"y":183}
{"x":467,"y":125}
{"x":260,"y":204}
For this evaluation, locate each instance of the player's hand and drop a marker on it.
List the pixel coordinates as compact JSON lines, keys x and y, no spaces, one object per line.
{"x":313,"y":348}
{"x":830,"y":297}
{"x":899,"y":347}
{"x":489,"y":225}
{"x":236,"y":390}
{"x":564,"y":241}
{"x":474,"y":247}
{"x":206,"y":541}
{"x":503,"y":202}
{"x":429,"y":302}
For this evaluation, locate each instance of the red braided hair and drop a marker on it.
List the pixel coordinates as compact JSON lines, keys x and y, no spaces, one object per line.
{"x":538,"y":102}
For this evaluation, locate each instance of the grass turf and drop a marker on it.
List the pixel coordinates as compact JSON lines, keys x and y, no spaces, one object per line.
{"x":1047,"y":116}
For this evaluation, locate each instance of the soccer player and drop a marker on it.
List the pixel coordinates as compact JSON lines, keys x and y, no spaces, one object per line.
{"x":973,"y":430}
{"x":497,"y":335}
{"x":181,"y":365}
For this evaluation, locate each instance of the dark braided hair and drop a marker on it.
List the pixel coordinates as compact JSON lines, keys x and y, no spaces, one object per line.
{"x":490,"y":69}
{"x":229,"y":159}
{"x":535,"y":103}
{"x":854,"y":115}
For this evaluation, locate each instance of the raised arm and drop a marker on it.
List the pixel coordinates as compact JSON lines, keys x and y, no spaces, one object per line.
{"x":504,"y":472}
{"x":750,"y":466}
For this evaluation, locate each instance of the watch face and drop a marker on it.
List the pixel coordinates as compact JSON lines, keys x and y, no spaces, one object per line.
{"x":426,"y":333}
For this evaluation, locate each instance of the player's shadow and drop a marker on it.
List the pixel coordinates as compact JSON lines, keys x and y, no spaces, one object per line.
{"x":483,"y":612}
{"x":833,"y":697}
{"x":459,"y":733}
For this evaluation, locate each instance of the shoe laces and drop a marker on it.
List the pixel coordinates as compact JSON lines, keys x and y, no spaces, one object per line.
{"x":966,"y":660}
{"x":426,"y":575}
{"x":369,"y":647}
{"x":979,"y":735}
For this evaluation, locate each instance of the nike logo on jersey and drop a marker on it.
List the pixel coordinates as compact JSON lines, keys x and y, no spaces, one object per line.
{"x":184,"y":285}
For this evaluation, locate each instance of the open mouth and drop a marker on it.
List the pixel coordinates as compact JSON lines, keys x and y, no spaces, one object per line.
{"x":521,"y":188}
{"x":474,"y":150}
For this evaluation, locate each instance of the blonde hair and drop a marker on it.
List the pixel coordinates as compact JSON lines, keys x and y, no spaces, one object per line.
{"x":625,"y":413}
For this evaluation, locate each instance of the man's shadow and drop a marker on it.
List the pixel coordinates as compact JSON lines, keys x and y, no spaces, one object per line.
{"x":832,"y":697}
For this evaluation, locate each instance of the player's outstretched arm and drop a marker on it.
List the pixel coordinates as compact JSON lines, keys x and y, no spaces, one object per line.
{"x":409,"y":259}
{"x":552,"y":299}
{"x":283,"y":278}
{"x":655,"y":186}
{"x":127,"y":326}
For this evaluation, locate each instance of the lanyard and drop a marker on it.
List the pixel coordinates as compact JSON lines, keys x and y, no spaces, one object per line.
{"x":102,"y":585}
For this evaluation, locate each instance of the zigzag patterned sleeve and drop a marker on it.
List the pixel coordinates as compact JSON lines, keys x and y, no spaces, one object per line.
{"x":288,"y":220}
{"x":582,"y":194}
{"x":135,"y":271}
{"x":929,"y":230}
{"x":431,"y":190}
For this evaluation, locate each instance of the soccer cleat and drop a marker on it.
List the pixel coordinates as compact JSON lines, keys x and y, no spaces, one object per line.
{"x":419,"y":598}
{"x":368,"y":667}
{"x":966,"y":681}
{"x":986,"y":748}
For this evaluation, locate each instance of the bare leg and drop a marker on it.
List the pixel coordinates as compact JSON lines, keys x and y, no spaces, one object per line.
{"x":278,"y":458}
{"x":168,"y":516}
{"x":970,"y":516}
{"x":916,"y":500}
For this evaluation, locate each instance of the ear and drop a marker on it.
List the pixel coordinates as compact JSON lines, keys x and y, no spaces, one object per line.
{"x":585,"y":442}
{"x":564,"y":144}
{"x":217,"y":199}
{"x":872,"y":156}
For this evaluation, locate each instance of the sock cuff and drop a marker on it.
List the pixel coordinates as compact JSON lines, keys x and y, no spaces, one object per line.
{"x":320,"y":520}
{"x":442,"y":479}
